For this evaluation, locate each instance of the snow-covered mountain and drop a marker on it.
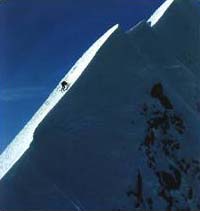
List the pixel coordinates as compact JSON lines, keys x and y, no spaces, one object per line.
{"x":126,"y":135}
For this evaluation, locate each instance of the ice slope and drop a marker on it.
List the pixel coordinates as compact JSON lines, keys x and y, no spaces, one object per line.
{"x":125,"y":137}
{"x":22,"y":141}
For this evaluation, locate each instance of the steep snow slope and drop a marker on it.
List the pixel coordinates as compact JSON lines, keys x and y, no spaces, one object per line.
{"x":151,"y":46}
{"x":125,"y":136}
{"x":22,"y":141}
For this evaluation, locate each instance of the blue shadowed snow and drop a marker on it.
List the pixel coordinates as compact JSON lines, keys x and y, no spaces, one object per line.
{"x":126,"y":134}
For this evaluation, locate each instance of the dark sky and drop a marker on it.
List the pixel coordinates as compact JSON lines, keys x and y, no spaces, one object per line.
{"x":41,"y":39}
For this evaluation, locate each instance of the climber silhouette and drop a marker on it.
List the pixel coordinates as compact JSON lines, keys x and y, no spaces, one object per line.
{"x":65,"y":86}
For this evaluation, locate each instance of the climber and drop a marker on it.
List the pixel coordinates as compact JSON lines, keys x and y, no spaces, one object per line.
{"x":65,"y":86}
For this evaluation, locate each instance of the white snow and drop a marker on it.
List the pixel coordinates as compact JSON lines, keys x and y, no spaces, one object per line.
{"x":159,"y":12}
{"x":22,"y":141}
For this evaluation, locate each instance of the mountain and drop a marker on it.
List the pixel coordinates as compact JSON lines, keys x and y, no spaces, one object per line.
{"x":125,"y":136}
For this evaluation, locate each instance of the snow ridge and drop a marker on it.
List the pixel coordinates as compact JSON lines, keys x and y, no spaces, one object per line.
{"x":159,"y":12}
{"x":22,"y":141}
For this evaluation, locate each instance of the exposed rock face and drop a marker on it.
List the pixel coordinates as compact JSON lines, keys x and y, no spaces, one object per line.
{"x":126,"y":135}
{"x":162,"y":148}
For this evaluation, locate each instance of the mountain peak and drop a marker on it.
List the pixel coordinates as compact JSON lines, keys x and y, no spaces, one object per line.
{"x":167,"y":6}
{"x":159,"y":12}
{"x":126,"y":135}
